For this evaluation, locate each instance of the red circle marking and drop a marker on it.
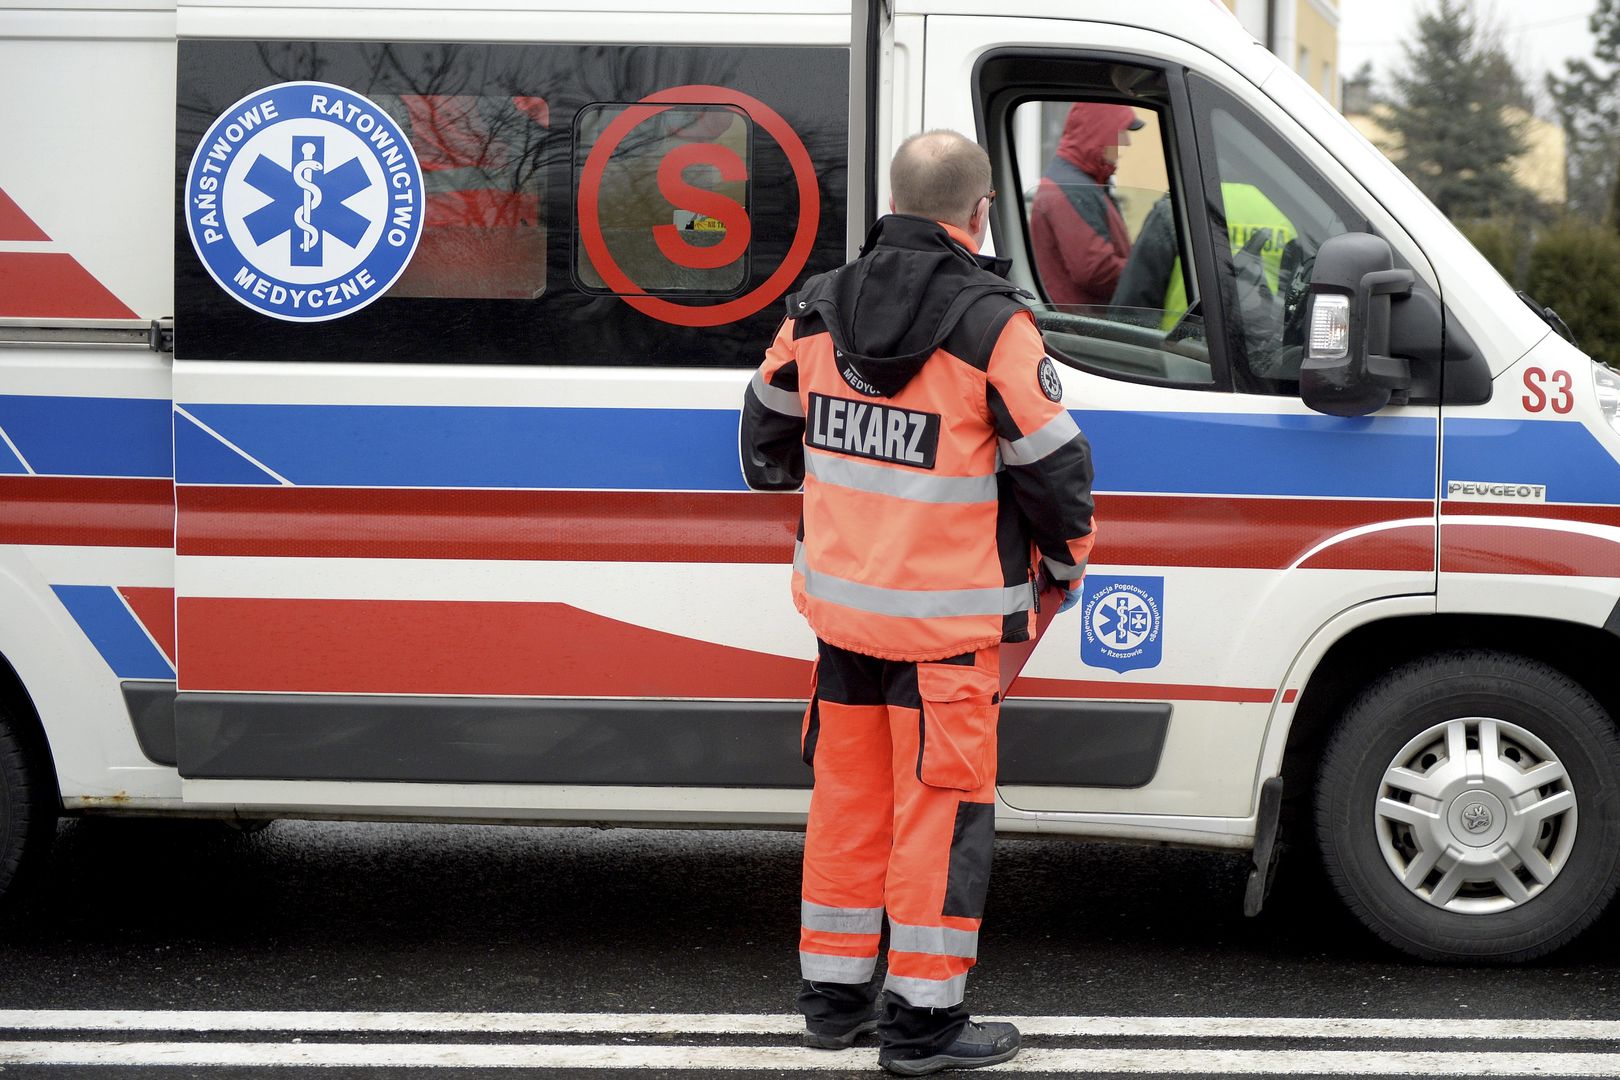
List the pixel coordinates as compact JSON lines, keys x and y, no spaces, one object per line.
{"x":804,"y":235}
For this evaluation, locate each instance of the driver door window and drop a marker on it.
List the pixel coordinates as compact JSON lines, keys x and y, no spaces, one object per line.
{"x":1270,"y":214}
{"x":1105,"y":233}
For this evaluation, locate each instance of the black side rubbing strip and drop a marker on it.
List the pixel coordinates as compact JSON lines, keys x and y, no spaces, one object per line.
{"x":967,"y":881}
{"x":490,"y":740}
{"x":151,"y":714}
{"x":1105,"y":744}
{"x":1612,"y":624}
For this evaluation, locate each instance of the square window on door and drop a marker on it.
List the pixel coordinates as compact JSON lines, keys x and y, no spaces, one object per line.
{"x":1106,"y":240}
{"x":663,"y":199}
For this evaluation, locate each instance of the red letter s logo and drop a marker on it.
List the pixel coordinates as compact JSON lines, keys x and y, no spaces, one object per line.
{"x":728,"y":212}
{"x":1535,"y":400}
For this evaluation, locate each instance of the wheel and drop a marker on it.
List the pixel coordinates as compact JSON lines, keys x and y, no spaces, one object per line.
{"x":27,"y":809}
{"x":1463,"y":808}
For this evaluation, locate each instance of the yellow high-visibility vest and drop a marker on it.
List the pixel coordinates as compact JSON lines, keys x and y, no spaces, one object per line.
{"x":1247,"y":210}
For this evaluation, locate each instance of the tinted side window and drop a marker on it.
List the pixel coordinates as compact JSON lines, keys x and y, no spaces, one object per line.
{"x":709,"y":181}
{"x":1106,"y":240}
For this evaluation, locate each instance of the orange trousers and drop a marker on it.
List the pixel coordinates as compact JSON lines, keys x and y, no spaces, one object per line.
{"x":902,"y":820}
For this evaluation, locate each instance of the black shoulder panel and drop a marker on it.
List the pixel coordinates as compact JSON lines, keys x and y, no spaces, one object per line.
{"x":808,"y":326}
{"x":980,"y":327}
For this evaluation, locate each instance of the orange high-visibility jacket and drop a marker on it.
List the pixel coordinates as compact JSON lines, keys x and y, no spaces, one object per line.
{"x":910,"y":393}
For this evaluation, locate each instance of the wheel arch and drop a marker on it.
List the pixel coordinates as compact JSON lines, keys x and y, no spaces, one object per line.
{"x":1589,"y":655}
{"x":18,"y":705}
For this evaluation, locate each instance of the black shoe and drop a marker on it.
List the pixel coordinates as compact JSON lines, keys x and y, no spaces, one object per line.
{"x":977,"y":1046}
{"x":841,"y":1040}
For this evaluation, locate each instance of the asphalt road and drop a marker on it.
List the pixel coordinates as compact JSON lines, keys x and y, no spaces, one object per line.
{"x":135,"y":922}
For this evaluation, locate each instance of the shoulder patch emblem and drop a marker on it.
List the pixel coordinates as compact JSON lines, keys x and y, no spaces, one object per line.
{"x":1051,"y":385}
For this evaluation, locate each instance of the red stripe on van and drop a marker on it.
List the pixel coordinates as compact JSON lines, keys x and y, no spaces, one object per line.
{"x":485,"y":648}
{"x":155,"y":609}
{"x":16,"y":225}
{"x":461,"y":647}
{"x":1498,"y":549}
{"x":570,"y":526}
{"x":1406,"y":548}
{"x":1596,"y":515}
{"x":713,"y":527}
{"x":1028,"y":686}
{"x":1227,"y":531}
{"x":80,"y":511}
{"x":48,"y":285}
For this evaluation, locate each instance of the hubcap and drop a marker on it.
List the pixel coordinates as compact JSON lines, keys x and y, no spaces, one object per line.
{"x":1476,"y":815}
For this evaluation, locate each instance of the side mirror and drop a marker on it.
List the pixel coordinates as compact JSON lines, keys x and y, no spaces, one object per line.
{"x":1348,"y":370}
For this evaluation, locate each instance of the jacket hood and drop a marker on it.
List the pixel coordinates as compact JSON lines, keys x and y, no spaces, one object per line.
{"x":1091,"y":128}
{"x":891,"y":308}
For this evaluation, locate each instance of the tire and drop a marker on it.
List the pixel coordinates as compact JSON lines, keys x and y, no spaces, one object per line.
{"x":28,"y":809}
{"x":1510,"y":854}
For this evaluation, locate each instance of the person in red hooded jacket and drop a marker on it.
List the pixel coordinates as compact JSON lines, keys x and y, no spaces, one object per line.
{"x":1079,"y":237}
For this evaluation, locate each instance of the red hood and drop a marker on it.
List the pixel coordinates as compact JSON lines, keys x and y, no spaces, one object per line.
{"x":1090,"y":129}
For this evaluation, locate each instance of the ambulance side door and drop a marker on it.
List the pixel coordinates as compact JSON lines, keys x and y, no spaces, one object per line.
{"x":1165,"y":216}
{"x":462,"y":333}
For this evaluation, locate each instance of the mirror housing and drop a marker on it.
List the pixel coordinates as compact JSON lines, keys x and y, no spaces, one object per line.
{"x":1347,"y":369}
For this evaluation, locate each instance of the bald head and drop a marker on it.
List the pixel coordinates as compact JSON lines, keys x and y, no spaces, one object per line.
{"x":940,"y":175}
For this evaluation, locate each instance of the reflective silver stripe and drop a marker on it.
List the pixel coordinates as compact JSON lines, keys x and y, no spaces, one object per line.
{"x":1053,"y":435}
{"x":819,"y":967}
{"x":916,"y":486}
{"x":777,"y":400}
{"x":1062,"y":571}
{"x":841,"y":920}
{"x":926,"y":993}
{"x":910,"y":603}
{"x":934,"y":940}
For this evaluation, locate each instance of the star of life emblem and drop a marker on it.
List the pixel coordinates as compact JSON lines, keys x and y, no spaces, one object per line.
{"x":1051,"y":385}
{"x":1123,"y":623}
{"x":304,"y":201}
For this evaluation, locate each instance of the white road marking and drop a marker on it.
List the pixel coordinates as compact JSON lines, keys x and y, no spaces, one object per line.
{"x":1192,"y":1027}
{"x":738,"y":1058}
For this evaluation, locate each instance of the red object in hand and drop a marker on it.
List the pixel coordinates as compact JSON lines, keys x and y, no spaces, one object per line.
{"x":1014,"y":657}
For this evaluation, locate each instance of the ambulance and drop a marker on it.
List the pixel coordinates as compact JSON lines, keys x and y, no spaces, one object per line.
{"x":369,"y":393}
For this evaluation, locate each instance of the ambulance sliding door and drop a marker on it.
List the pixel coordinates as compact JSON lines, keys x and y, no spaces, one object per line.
{"x":461,"y":336}
{"x":1167,"y":221}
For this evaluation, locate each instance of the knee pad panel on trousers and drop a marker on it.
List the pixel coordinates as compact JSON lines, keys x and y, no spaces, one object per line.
{"x":811,"y":731}
{"x":973,"y":843}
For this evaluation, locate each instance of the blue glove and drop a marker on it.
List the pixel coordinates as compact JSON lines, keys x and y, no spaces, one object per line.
{"x":1070,"y":598}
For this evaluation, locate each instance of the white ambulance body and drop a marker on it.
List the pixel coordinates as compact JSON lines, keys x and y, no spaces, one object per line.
{"x":426,"y":503}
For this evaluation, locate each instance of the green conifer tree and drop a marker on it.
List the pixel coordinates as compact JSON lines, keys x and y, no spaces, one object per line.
{"x":1458,"y":113}
{"x":1587,"y":98}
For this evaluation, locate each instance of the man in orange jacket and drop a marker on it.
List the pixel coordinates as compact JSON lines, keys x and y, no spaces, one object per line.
{"x":911,"y":395}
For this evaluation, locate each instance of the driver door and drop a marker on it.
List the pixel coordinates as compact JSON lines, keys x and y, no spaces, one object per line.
{"x":1165,"y":219}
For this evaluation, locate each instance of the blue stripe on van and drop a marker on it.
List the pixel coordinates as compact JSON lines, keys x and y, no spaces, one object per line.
{"x":484,"y":447}
{"x":9,"y":464}
{"x":199,"y":458}
{"x":696,"y":449}
{"x":1387,"y":457}
{"x":90,"y":436}
{"x":1562,"y":454}
{"x":113,"y":629}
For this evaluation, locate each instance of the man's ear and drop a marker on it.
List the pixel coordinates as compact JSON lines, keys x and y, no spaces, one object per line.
{"x":979,"y":220}
{"x":891,"y":205}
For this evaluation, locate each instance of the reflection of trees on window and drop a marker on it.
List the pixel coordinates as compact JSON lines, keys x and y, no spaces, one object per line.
{"x":673,"y":198}
{"x":485,"y":232}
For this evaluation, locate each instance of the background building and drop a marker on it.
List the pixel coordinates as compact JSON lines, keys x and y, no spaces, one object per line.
{"x":1303,"y":32}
